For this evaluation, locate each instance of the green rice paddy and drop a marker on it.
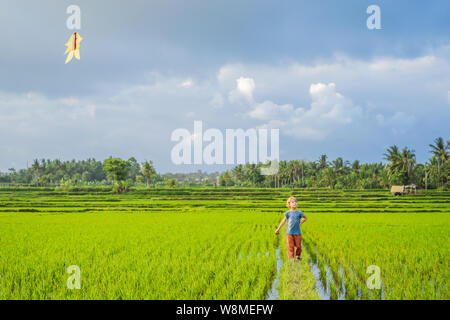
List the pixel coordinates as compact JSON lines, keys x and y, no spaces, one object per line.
{"x":220,"y":243}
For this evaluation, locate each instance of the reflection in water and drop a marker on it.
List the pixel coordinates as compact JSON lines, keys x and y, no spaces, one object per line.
{"x":273,"y":293}
{"x":325,"y":284}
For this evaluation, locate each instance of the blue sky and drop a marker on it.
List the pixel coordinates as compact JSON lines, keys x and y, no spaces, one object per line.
{"x":312,"y":69}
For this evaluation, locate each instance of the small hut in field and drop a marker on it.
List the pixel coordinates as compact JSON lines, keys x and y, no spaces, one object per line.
{"x":402,"y":190}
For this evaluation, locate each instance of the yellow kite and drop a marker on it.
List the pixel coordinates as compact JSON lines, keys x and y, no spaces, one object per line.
{"x":73,"y":47}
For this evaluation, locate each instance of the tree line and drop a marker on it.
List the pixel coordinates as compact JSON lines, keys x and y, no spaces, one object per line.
{"x":401,"y":169}
{"x":91,"y":172}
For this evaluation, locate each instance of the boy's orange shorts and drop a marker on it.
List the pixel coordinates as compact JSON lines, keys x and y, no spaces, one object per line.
{"x":294,"y":245}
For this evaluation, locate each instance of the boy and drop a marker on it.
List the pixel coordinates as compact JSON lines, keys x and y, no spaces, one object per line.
{"x":293,"y":233}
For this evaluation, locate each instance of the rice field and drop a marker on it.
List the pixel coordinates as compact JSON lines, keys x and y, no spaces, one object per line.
{"x":219,"y":243}
{"x":410,"y":249}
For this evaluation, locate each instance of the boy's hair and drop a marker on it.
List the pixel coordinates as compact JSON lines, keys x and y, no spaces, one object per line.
{"x":289,"y":199}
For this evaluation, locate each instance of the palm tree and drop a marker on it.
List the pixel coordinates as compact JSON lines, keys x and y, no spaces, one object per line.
{"x":355,"y":166}
{"x":329,"y":177}
{"x":340,"y":165}
{"x":400,"y":161}
{"x":408,"y":161}
{"x":393,"y":155}
{"x":426,"y":170}
{"x":394,"y":158}
{"x":36,"y":169}
{"x":441,"y":153}
{"x":323,"y":161}
{"x":283,"y":172}
{"x":237,"y":173}
{"x":252,"y":174}
{"x":440,"y":150}
{"x":295,"y":167}
{"x":313,"y":168}
{"x":302,"y":167}
{"x":148,"y":171}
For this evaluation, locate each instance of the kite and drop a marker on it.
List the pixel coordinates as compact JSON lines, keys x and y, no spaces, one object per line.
{"x":73,"y":47}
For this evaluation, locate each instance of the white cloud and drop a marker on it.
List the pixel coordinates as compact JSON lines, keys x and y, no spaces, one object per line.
{"x":187,"y":83}
{"x":31,"y":107}
{"x":243,"y":92}
{"x":398,"y":119}
{"x":403,"y":65}
{"x":384,"y":91}
{"x":228,"y":73}
{"x":398,"y":123}
{"x":330,"y":106}
{"x":309,"y":102}
{"x":405,"y":84}
{"x":329,"y":109}
{"x":268,"y":110}
{"x":246,"y":86}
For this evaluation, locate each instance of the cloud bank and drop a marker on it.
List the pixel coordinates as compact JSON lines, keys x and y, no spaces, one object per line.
{"x":327,"y":105}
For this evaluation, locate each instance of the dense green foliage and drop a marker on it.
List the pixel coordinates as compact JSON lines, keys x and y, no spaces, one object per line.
{"x":116,"y":168}
{"x":401,"y":168}
{"x":339,"y":174}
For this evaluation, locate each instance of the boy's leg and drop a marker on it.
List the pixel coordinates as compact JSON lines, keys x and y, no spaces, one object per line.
{"x":298,"y":246}
{"x":290,"y":245}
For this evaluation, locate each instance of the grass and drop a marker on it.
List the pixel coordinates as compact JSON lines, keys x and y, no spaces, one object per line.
{"x":219,"y":243}
{"x":410,"y":248}
{"x":297,"y":281}
{"x":136,"y":255}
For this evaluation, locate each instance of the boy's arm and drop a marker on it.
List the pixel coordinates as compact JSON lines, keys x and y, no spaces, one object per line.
{"x":303,"y":219}
{"x":281,"y":224}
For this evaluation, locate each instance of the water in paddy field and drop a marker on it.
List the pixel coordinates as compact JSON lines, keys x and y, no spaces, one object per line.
{"x":323,"y":287}
{"x":341,"y":293}
{"x":324,"y":292}
{"x":273,"y":292}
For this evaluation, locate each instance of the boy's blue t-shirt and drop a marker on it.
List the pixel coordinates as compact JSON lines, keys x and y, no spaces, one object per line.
{"x":294,"y":218}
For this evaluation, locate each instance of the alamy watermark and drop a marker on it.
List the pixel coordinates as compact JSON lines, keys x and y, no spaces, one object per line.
{"x":73,"y":22}
{"x":374,"y":280}
{"x":374,"y":20}
{"x":74,"y":280}
{"x":214,"y":152}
